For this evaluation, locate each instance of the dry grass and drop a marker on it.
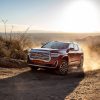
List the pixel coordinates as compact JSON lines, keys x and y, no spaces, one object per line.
{"x":14,"y":47}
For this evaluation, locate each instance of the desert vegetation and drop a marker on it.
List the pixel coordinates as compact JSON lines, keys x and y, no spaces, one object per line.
{"x":12,"y":45}
{"x":14,"y":48}
{"x":13,"y":52}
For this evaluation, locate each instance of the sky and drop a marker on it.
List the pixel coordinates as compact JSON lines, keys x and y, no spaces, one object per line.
{"x":76,"y":16}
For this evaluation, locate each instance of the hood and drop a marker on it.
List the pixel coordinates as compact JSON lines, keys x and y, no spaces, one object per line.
{"x":45,"y":50}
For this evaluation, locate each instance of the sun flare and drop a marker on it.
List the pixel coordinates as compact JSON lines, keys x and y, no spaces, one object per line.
{"x":79,"y":16}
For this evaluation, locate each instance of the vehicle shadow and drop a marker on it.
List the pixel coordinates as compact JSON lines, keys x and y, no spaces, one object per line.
{"x":39,"y":85}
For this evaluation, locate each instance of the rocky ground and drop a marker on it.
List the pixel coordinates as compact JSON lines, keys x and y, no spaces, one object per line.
{"x":24,"y":84}
{"x":88,"y":88}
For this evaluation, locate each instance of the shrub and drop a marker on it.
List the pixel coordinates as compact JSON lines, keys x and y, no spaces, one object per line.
{"x":18,"y":54}
{"x":1,"y":39}
{"x":15,"y":48}
{"x":4,"y":52}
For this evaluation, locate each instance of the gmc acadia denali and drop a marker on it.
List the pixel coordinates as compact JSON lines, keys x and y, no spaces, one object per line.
{"x":59,"y":56}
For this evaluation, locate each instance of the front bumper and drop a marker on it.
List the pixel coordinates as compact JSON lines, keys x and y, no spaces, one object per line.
{"x":53,"y":63}
{"x":42,"y":66}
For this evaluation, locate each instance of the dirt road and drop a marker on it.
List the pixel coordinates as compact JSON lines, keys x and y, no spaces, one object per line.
{"x":44,"y":85}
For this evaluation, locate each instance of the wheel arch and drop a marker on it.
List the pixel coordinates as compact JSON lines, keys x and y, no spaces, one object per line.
{"x":66,"y":58}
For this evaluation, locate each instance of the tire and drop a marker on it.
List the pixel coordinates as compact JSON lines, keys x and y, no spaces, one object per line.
{"x":63,"y":68}
{"x":81,"y":63}
{"x":28,"y":60}
{"x":33,"y":68}
{"x":80,"y":66}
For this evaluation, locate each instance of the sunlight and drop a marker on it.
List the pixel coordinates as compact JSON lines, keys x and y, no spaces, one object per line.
{"x":79,"y":16}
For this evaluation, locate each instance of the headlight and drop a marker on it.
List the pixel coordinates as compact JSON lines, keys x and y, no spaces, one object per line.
{"x":29,"y":51}
{"x":54,"y":54}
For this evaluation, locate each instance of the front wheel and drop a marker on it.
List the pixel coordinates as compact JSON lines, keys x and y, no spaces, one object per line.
{"x":63,"y":68}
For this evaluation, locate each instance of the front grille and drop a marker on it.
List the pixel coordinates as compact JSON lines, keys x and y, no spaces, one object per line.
{"x":40,"y":56}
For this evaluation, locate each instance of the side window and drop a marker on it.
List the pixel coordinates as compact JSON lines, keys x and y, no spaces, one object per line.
{"x":76,"y":47}
{"x":71,"y":46}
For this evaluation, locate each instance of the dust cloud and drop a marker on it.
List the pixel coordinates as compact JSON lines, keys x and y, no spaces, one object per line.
{"x":91,"y":59}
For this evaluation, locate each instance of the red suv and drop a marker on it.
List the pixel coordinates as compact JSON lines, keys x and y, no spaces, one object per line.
{"x":59,"y":56}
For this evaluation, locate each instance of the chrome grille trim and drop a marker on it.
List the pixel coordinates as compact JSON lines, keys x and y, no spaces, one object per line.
{"x":39,"y":55}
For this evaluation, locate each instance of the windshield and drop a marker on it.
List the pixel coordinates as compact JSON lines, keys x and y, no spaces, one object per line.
{"x":56,"y":45}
